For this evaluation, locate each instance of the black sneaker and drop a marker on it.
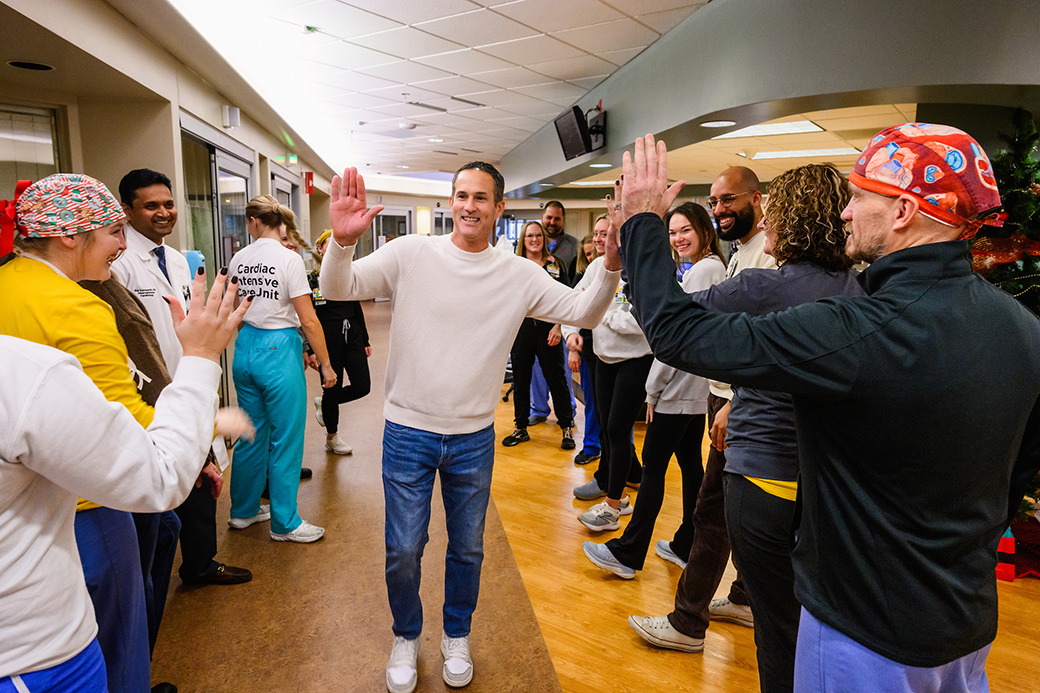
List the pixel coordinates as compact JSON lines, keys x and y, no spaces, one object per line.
{"x":516,"y":437}
{"x":536,"y":419}
{"x":584,"y":457}
{"x":568,"y":438}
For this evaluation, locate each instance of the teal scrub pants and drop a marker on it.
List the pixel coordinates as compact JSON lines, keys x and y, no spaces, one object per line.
{"x":268,"y":373}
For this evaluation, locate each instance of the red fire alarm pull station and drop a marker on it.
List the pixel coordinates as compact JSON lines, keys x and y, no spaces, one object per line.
{"x":308,"y":182}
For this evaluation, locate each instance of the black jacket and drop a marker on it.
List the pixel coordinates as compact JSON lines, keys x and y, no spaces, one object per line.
{"x":916,"y":408}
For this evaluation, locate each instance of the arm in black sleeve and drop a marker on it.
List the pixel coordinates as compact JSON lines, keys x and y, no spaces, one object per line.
{"x":806,"y":349}
{"x":1027,"y":466}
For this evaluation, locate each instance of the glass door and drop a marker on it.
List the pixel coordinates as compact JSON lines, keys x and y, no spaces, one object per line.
{"x":443,"y":224}
{"x":233,"y":188}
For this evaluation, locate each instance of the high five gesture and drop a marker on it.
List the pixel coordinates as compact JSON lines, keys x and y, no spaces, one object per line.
{"x":348,"y":209}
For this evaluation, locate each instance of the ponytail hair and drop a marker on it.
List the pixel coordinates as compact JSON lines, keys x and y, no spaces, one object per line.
{"x":271,"y":213}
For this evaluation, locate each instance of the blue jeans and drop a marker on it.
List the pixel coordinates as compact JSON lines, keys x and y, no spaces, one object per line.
{"x":268,"y":373}
{"x":411,"y":459}
{"x":827,"y":660}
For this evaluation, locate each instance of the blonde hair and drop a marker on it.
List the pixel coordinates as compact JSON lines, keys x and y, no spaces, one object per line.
{"x":583,"y":262}
{"x":270,"y":212}
{"x":521,"y":247}
{"x":804,"y":211}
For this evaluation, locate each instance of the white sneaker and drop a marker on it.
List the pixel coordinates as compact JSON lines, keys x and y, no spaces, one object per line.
{"x":625,"y":506}
{"x":242,"y":522}
{"x":317,"y":412}
{"x":337,"y":446}
{"x":600,"y":518}
{"x":458,"y":667}
{"x":664,"y":550}
{"x":400,"y":670}
{"x":722,"y":609}
{"x":658,"y":631}
{"x":304,"y":534}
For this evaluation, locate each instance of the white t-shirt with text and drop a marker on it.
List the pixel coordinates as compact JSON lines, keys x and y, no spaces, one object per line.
{"x":274,"y":275}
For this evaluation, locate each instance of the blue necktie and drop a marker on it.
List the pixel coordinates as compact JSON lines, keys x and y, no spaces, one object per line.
{"x":160,"y":253}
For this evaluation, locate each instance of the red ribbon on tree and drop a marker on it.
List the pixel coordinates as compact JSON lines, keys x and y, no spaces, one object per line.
{"x":8,"y":214}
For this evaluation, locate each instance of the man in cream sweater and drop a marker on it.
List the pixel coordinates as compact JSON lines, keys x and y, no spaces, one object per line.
{"x":457,"y":308}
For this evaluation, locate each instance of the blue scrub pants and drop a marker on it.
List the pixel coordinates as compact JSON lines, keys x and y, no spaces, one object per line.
{"x":84,"y":673}
{"x":590,"y":443}
{"x":107,"y":543}
{"x":268,"y":375}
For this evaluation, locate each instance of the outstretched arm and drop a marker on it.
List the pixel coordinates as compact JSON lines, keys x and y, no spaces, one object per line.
{"x":348,"y":208}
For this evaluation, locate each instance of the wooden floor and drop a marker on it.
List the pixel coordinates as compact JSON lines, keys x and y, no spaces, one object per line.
{"x":580,"y":609}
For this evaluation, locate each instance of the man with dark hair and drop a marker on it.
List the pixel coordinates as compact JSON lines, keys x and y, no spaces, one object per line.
{"x":151,"y":269}
{"x":917,"y":410}
{"x":562,"y":245}
{"x":458,"y":305}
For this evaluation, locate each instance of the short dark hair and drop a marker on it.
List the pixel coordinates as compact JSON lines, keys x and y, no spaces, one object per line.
{"x":500,"y":182}
{"x":140,"y":178}
{"x":556,"y":203}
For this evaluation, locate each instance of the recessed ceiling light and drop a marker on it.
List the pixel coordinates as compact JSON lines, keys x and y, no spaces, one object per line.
{"x":767,"y":129}
{"x":807,"y":153}
{"x":399,"y":166}
{"x":718,"y":123}
{"x":30,"y":65}
{"x":547,"y":185}
{"x":434,"y":139}
{"x":600,"y":165}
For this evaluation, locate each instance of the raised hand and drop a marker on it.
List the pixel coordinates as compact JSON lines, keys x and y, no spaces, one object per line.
{"x":348,"y":208}
{"x":645,"y":179}
{"x":211,"y":322}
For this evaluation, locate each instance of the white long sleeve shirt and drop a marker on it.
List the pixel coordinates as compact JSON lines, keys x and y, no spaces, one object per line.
{"x":618,"y":336}
{"x":59,"y":438}
{"x":455,"y":316}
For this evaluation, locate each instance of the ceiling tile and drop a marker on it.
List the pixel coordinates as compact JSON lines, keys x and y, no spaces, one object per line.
{"x":623,"y":56}
{"x":575,"y":68}
{"x":347,"y":55}
{"x":663,"y":22}
{"x":521,"y":122}
{"x":412,"y":11}
{"x":588,"y":83}
{"x":356,"y":100}
{"x":552,"y":15}
{"x":445,"y":119}
{"x":407,"y":42}
{"x":534,"y":108}
{"x":397,"y":93}
{"x":554,"y":91}
{"x":291,"y":37}
{"x":454,"y":86}
{"x":402,"y":110}
{"x":511,"y":77}
{"x":406,"y":71}
{"x":521,"y":51}
{"x":489,"y":26}
{"x":335,"y":18}
{"x":599,"y":38}
{"x":354,"y":81}
{"x":634,"y":8}
{"x":500,"y":97}
{"x":464,"y":62}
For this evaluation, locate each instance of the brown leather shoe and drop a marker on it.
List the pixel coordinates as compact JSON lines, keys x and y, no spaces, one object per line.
{"x":224,"y":575}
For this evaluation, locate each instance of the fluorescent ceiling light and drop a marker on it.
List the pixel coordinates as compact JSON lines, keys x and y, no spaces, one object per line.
{"x":718,"y":123}
{"x":599,"y":183}
{"x":766,"y":129}
{"x":434,"y":139}
{"x":807,"y":153}
{"x":600,"y":165}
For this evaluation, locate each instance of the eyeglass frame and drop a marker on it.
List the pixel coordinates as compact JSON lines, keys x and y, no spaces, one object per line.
{"x":713,"y":201}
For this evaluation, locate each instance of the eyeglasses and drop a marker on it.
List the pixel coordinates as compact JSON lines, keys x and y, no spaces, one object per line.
{"x":727,"y":200}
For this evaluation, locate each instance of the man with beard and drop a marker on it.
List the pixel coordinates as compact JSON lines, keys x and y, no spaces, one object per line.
{"x":562,"y":245}
{"x":917,"y":409}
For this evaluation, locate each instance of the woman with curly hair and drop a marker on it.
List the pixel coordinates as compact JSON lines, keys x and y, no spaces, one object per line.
{"x":805,"y":233}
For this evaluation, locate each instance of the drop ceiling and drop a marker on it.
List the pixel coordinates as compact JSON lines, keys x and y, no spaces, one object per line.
{"x":414,"y":86}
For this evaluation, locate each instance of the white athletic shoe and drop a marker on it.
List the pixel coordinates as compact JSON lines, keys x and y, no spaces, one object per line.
{"x":664,"y":550}
{"x":458,"y":667}
{"x":306,"y":533}
{"x":722,"y":609}
{"x":242,"y":522}
{"x":337,"y":446}
{"x":317,"y":412}
{"x":401,"y":674}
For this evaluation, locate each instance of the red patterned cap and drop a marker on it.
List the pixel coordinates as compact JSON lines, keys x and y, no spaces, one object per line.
{"x":66,"y":204}
{"x":940,"y":165}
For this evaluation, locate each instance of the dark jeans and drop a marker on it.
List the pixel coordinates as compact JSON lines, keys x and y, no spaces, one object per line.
{"x":710,"y":550}
{"x":344,"y":356}
{"x":620,"y":393}
{"x":157,"y":535}
{"x":531,"y":341}
{"x":760,"y":526}
{"x":680,"y":434}
{"x":198,"y":514}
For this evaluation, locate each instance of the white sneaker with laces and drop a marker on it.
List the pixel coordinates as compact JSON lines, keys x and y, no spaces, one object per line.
{"x":658,"y":631}
{"x":337,"y":446}
{"x":664,"y":550}
{"x":242,"y":522}
{"x":722,"y":609}
{"x":601,"y":518}
{"x":317,"y":412}
{"x":401,"y":675}
{"x":625,"y":506}
{"x":304,"y":534}
{"x":458,"y":667}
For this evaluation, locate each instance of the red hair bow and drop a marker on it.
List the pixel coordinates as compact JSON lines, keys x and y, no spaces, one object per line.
{"x":8,"y":210}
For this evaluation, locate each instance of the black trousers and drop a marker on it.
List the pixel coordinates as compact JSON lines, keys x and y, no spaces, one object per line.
{"x":682,"y":435}
{"x":157,"y":543}
{"x":198,"y":515}
{"x":710,"y":550}
{"x":531,"y":341}
{"x":346,"y":356}
{"x":760,"y":527}
{"x":620,"y":393}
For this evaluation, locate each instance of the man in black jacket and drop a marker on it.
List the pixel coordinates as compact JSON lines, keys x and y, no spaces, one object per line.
{"x":916,"y":406}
